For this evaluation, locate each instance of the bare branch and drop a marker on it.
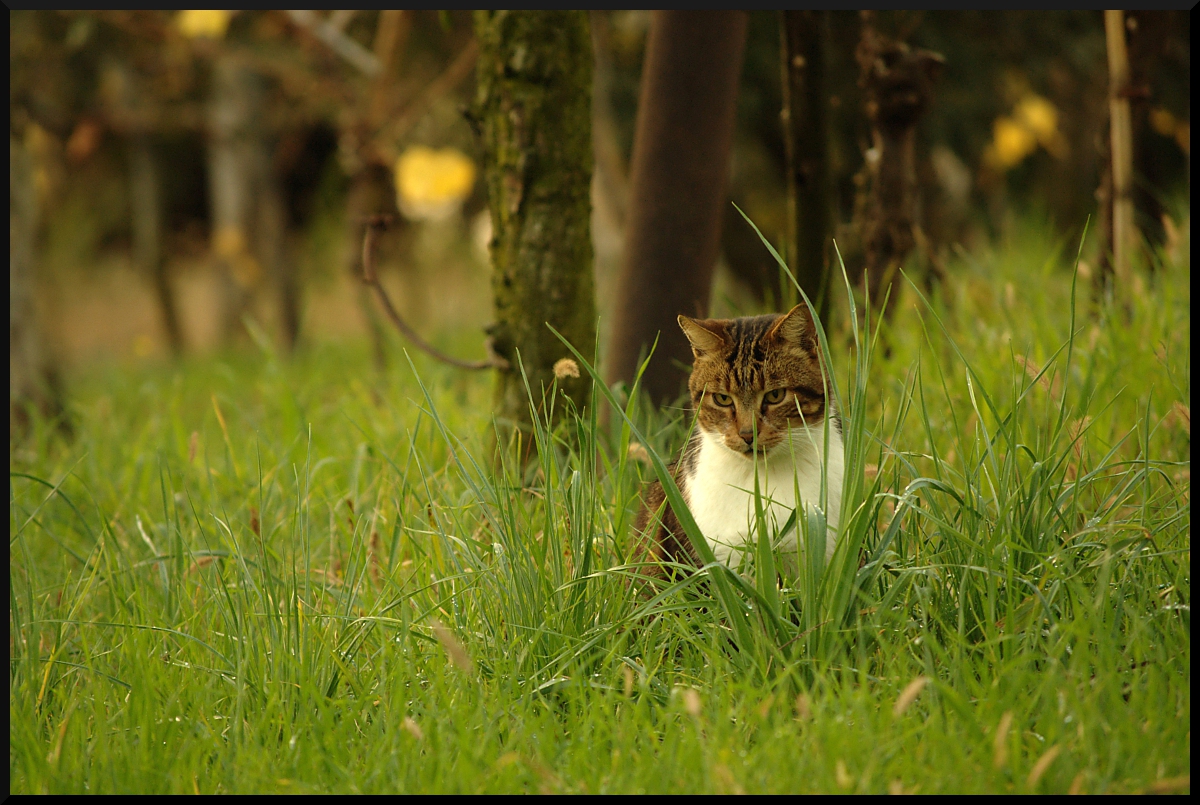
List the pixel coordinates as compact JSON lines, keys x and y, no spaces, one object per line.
{"x":337,"y":41}
{"x":458,"y":70}
{"x":376,"y":224}
{"x":341,"y":18}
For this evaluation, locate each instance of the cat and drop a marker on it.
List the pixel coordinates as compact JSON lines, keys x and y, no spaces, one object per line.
{"x":760,"y":402}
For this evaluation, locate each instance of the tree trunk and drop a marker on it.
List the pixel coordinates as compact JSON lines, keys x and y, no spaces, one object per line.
{"x":806,"y":144}
{"x":145,"y":202}
{"x":681,"y":150}
{"x":235,"y":105}
{"x":32,"y":380}
{"x":534,"y":108}
{"x":271,"y":245}
{"x":898,"y":85}
{"x":1124,"y":234}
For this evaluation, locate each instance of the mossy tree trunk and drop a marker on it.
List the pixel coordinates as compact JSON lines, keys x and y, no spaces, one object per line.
{"x":534,"y":114}
{"x":897,"y":83}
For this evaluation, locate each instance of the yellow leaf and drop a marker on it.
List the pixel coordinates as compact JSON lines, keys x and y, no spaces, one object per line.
{"x":432,"y":184}
{"x":1163,"y":122}
{"x":1042,"y":118}
{"x":203,"y":23}
{"x":1011,"y":142}
{"x":1039,"y":116}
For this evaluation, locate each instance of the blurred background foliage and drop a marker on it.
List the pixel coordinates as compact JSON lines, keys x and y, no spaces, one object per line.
{"x":361,"y":112}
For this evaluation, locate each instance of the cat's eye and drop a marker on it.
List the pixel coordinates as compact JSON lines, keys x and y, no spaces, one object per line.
{"x":723,"y":400}
{"x":774,"y":395}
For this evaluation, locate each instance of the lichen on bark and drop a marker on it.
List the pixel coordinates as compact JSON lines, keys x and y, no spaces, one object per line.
{"x":533,"y":111}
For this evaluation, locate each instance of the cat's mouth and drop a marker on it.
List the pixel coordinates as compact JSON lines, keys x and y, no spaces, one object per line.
{"x":751,"y":450}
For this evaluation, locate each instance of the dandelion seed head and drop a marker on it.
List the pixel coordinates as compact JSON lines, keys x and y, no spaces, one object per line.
{"x":565,"y":367}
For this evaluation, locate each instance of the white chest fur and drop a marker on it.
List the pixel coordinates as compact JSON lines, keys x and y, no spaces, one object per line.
{"x":720,"y":494}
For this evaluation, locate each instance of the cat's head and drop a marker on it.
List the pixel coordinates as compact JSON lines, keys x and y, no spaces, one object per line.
{"x":755,"y":378}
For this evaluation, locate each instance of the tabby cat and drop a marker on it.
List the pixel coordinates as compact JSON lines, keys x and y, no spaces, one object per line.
{"x":757,"y":392}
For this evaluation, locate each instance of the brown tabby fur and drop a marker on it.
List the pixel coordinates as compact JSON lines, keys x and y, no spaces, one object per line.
{"x":741,"y":358}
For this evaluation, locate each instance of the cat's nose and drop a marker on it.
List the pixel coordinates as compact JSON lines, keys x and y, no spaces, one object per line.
{"x":747,"y":436}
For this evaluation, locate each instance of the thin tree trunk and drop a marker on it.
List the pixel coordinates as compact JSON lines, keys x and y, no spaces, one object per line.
{"x":1124,"y":233}
{"x":677,"y":203}
{"x":534,"y":109}
{"x":32,"y":379}
{"x":898,"y":84}
{"x":234,"y":107}
{"x":270,"y":229}
{"x":145,"y":198}
{"x":806,"y":144}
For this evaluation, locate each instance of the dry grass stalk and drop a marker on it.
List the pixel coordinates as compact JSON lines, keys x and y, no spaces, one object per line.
{"x":1075,"y":432}
{"x":374,"y":549}
{"x":1035,"y":373}
{"x":1169,"y":785}
{"x":1000,"y":741}
{"x":203,"y":561}
{"x":638,"y":452}
{"x":803,"y":707}
{"x":725,"y":781}
{"x":1042,"y":764}
{"x":691,"y":702}
{"x":910,"y":693}
{"x":454,"y":649}
{"x":844,"y":780}
{"x":1180,"y":415}
{"x":412,"y":728}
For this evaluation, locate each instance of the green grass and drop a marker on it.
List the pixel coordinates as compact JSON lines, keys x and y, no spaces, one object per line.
{"x":251,"y":575}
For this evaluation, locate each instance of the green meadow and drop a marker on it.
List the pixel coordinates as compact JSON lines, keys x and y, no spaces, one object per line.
{"x":250,"y":574}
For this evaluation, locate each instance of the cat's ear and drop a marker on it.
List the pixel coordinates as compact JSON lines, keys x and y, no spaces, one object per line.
{"x":705,"y":335}
{"x":795,"y":328}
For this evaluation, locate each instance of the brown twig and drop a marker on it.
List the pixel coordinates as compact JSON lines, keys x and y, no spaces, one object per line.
{"x":411,"y":114}
{"x":376,"y":224}
{"x":336,"y":40}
